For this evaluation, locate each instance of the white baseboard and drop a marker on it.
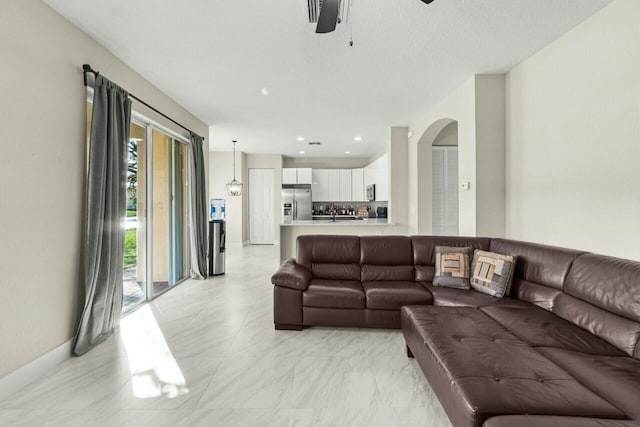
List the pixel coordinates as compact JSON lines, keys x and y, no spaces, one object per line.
{"x":245,"y":243}
{"x":14,"y":381}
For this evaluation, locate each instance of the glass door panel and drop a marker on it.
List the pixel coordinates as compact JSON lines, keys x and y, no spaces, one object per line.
{"x":134,"y":259}
{"x":170,"y":234}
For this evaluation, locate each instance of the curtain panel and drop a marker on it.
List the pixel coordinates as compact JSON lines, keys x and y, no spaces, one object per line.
{"x":198,"y":208}
{"x":105,"y":207}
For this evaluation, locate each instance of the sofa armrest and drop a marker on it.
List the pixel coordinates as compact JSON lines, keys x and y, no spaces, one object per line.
{"x":292,"y":275}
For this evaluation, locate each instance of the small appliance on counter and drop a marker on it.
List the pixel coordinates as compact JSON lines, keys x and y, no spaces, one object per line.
{"x":382,"y":212}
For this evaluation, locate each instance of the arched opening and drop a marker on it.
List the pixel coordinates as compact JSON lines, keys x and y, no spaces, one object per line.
{"x":438,"y":134}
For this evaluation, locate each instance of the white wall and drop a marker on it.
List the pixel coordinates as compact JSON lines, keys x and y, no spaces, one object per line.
{"x":43,"y":137}
{"x":573,"y":137}
{"x":478,"y":108}
{"x":221,"y":172}
{"x":398,"y":149}
{"x":458,"y":106}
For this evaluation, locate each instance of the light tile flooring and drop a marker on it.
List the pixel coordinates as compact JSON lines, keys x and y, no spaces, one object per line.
{"x":206,"y":354}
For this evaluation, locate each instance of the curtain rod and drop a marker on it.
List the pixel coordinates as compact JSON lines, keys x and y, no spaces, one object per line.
{"x":87,"y":69}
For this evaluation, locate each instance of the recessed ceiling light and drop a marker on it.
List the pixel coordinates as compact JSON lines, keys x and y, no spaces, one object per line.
{"x":300,"y":138}
{"x":264,"y":91}
{"x":301,"y":152}
{"x":347,"y":152}
{"x":357,"y":138}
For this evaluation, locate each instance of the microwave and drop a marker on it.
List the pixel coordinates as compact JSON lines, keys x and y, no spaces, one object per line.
{"x":371,"y":192}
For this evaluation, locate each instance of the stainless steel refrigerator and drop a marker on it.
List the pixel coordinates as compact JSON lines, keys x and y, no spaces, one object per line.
{"x":296,"y":203}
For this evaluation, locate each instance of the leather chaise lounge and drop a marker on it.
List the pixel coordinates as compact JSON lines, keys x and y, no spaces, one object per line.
{"x":562,"y":350}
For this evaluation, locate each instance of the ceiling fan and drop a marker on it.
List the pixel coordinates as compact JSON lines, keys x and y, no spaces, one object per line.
{"x":329,"y":15}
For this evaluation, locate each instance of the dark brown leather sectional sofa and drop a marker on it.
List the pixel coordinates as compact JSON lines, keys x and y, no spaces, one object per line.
{"x":562,"y":350}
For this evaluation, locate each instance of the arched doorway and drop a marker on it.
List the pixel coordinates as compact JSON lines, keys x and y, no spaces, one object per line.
{"x":444,"y":182}
{"x":425,"y":169}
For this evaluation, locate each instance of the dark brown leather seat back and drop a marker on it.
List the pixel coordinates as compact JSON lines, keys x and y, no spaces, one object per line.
{"x":385,"y":258}
{"x":541,"y":270}
{"x":424,"y":252}
{"x":330,"y":257}
{"x":602,"y":295}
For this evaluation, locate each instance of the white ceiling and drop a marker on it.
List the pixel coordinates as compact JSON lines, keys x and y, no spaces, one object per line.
{"x":215,"y":56}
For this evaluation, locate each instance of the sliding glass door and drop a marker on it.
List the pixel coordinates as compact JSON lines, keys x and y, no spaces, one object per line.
{"x":156,"y":234}
{"x":169,"y":222}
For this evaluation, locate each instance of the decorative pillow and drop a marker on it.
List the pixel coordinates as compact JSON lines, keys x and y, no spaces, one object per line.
{"x":452,"y":267}
{"x":492,"y":273}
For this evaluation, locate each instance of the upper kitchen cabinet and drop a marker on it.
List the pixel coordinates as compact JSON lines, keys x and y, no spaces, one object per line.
{"x":334,"y":185}
{"x":296,"y":176}
{"x":345,"y":185}
{"x":320,"y":185}
{"x":304,"y":176}
{"x":289,"y":176}
{"x":357,"y":185}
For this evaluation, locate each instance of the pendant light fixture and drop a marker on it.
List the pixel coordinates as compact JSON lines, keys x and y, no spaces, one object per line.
{"x":234,"y":187}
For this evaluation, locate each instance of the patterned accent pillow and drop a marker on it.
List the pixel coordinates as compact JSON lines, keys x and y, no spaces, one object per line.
{"x":452,"y":267}
{"x":492,"y":273}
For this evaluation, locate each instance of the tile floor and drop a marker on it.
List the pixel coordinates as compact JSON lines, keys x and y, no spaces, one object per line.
{"x":206,"y":354}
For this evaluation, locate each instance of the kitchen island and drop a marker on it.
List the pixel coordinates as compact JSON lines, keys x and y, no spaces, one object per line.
{"x":289,"y":232}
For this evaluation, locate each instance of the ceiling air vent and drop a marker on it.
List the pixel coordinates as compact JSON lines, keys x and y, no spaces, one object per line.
{"x":315,"y":143}
{"x":314,"y":10}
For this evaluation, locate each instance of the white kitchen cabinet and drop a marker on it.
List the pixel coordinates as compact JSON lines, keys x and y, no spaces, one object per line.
{"x":320,"y":185}
{"x":382,"y":173}
{"x":357,"y":185}
{"x":305,"y":176}
{"x":334,"y":185}
{"x":345,"y":185}
{"x":297,"y":176}
{"x":289,"y":176}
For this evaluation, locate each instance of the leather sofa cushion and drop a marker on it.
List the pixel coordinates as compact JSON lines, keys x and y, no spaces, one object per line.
{"x":617,"y":379}
{"x":541,"y":328}
{"x":386,"y":250}
{"x":328,"y":249}
{"x":612,"y":284}
{"x":371,"y":273}
{"x":424,"y":250}
{"x":334,"y":294}
{"x":491,"y":371}
{"x":616,"y":330}
{"x":546,"y":265}
{"x":468,"y":298}
{"x":336,"y":271}
{"x":554,"y":421}
{"x":393,"y":295}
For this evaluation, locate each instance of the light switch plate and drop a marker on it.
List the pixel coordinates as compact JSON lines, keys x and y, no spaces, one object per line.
{"x":465,"y":185}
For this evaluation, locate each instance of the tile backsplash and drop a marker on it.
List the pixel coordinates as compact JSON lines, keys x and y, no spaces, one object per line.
{"x":347,"y":208}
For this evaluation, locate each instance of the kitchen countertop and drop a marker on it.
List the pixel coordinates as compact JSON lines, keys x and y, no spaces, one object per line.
{"x":339,"y":222}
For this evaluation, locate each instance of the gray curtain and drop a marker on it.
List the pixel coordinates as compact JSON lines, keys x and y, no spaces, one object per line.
{"x":198,"y":209}
{"x":105,"y":209}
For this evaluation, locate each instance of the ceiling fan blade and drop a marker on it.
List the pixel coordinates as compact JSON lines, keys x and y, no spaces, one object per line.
{"x":328,"y":16}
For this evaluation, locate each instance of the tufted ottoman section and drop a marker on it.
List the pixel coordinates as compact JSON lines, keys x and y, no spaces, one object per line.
{"x":479,"y":369}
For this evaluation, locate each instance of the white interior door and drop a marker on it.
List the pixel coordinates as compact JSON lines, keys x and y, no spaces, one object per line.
{"x":261,"y":206}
